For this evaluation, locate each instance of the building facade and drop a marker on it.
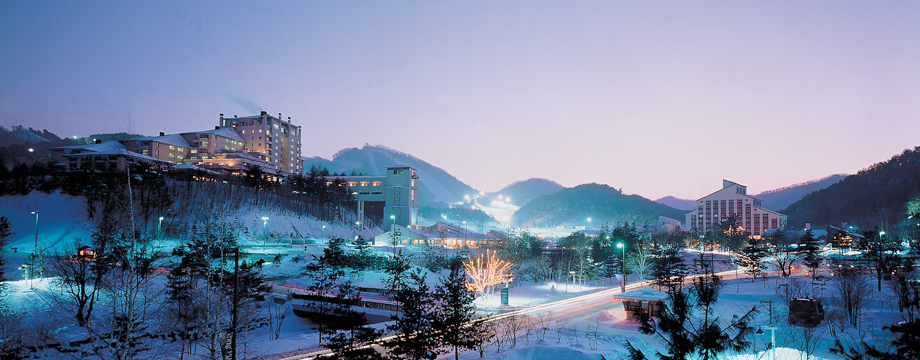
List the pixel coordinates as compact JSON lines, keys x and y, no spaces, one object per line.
{"x":733,"y":199}
{"x":269,"y":138}
{"x":390,"y":199}
{"x":232,"y":147}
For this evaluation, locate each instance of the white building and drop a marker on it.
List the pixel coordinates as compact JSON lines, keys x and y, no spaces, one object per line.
{"x":733,"y":199}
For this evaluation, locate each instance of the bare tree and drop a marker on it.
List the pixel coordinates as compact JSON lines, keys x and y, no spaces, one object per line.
{"x":278,"y":308}
{"x":639,"y":261}
{"x":806,"y":339}
{"x":79,"y":278}
{"x":543,"y":321}
{"x":793,"y":289}
{"x":853,"y":293}
{"x":558,"y":325}
{"x":591,"y":332}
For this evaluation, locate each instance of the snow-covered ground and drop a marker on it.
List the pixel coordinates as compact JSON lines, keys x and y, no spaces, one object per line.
{"x":61,"y":222}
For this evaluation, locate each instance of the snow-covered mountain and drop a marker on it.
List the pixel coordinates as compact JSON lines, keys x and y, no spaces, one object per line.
{"x":521,"y":192}
{"x":17,"y":134}
{"x":435,"y":185}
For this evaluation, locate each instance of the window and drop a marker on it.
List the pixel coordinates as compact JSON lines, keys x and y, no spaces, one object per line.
{"x":204,"y":143}
{"x":376,"y":183}
{"x":352,"y":183}
{"x":365,"y":183}
{"x":194,"y":151}
{"x":172,"y":147}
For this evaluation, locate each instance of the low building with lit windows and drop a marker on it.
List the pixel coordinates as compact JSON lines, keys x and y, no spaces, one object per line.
{"x":232,"y":147}
{"x":389,"y":199}
{"x":733,"y":199}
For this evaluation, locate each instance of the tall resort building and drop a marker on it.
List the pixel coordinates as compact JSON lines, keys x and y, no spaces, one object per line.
{"x":733,"y":199}
{"x":274,"y":140}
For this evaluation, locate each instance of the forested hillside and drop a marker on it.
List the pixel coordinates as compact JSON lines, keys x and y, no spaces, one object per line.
{"x":602,"y":203}
{"x":875,"y":195}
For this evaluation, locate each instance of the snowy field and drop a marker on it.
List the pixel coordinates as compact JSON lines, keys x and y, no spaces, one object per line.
{"x":60,"y":224}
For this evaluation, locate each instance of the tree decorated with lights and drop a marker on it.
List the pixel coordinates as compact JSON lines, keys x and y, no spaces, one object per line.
{"x":485,"y":271}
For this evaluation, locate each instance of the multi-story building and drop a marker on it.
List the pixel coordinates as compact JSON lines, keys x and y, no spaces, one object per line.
{"x":390,"y":199}
{"x":232,"y":147}
{"x":733,"y":200}
{"x":269,"y":138}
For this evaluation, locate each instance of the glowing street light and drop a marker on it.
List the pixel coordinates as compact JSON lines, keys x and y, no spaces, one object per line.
{"x":324,"y":234}
{"x":264,"y":234}
{"x":35,"y":252}
{"x":159,"y":224}
{"x":623,"y":264}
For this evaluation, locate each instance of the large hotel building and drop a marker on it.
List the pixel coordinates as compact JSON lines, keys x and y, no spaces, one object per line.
{"x":733,"y":199}
{"x":232,"y":147}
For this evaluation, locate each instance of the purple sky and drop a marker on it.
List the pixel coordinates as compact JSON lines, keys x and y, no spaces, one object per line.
{"x":657,"y":98}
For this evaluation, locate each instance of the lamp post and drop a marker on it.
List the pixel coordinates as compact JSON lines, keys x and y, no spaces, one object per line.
{"x":589,"y":223}
{"x":623,"y":264}
{"x":35,"y":252}
{"x":159,"y":224}
{"x":323,"y":239}
{"x":264,"y":234}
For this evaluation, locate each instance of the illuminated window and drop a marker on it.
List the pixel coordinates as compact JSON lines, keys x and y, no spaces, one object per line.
{"x":365,"y":183}
{"x":376,"y":183}
{"x":172,"y":147}
{"x":204,"y":143}
{"x":194,"y":151}
{"x":352,"y":183}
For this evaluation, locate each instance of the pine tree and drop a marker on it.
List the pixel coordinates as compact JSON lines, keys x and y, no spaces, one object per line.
{"x":809,"y":246}
{"x":669,"y":269}
{"x":413,"y":328}
{"x":349,"y":334}
{"x":455,"y":310}
{"x":751,"y":259}
{"x":5,"y":234}
{"x":685,"y":333}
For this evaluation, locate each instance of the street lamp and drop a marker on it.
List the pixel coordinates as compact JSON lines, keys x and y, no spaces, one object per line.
{"x":264,"y":235}
{"x":465,"y":231}
{"x":589,"y":223}
{"x":623,"y":263}
{"x":324,"y":234}
{"x":159,"y":224}
{"x":35,"y":252}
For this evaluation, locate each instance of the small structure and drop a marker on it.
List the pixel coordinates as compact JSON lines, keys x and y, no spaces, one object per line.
{"x":642,"y":303}
{"x":806,"y":312}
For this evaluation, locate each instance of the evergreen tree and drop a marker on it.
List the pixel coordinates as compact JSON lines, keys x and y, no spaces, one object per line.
{"x":413,"y":337}
{"x":751,"y":259}
{"x":809,"y":246}
{"x":5,"y":234}
{"x":669,"y":269}
{"x":685,"y":333}
{"x":323,"y":290}
{"x":349,"y":333}
{"x":455,"y":310}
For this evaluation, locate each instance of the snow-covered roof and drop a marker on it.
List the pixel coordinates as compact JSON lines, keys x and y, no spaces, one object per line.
{"x":226,"y":132}
{"x":194,"y":167}
{"x":106,"y":146}
{"x":645,"y":294}
{"x":171,"y":139}
{"x":120,"y":152}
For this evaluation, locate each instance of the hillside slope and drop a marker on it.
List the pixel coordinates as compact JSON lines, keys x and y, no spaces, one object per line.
{"x":601,"y":203}
{"x":435,"y":184}
{"x":783,"y":197}
{"x":522,"y":192}
{"x":873,"y":196}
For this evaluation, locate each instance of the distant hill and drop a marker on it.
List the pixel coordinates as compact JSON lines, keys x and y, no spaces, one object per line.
{"x":602,"y":203}
{"x":18,"y":135}
{"x":522,"y":192}
{"x":875,"y":195}
{"x":783,"y":197}
{"x":435,"y":184}
{"x":676,"y":203}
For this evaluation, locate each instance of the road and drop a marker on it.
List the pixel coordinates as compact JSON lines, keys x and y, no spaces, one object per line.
{"x":572,"y":308}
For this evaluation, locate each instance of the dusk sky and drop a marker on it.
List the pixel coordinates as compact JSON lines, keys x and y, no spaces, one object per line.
{"x":657,"y":98}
